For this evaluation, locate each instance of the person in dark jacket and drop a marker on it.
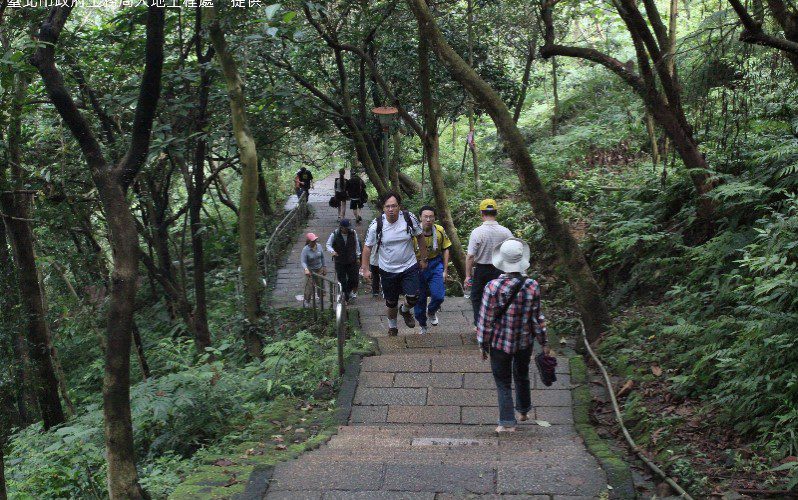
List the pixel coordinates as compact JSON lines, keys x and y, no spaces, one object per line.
{"x":341,"y":193}
{"x":303,"y":181}
{"x":344,"y":246}
{"x":356,"y":190}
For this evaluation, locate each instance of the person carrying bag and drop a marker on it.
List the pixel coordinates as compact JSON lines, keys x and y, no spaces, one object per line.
{"x":509,"y":319}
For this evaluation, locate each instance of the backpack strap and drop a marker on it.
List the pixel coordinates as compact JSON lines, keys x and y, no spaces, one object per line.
{"x":510,"y":299}
{"x":408,"y":223}
{"x":379,"y":232}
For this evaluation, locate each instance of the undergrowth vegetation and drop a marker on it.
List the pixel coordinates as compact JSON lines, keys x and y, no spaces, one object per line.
{"x":719,"y":317}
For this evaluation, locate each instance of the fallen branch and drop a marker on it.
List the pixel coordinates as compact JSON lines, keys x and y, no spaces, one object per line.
{"x":638,"y":451}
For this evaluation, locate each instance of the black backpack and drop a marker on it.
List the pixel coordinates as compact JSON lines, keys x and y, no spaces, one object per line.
{"x":408,"y":222}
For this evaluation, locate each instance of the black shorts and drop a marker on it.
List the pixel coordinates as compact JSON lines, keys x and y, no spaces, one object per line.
{"x":355,"y":203}
{"x":341,"y":196}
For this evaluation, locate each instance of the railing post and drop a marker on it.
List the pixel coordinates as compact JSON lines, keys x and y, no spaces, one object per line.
{"x":313,"y":291}
{"x":321,"y":294}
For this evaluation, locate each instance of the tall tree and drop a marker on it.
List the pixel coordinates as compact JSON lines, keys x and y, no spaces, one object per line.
{"x":112,"y":182}
{"x":431,"y":143}
{"x":195,"y":184}
{"x":576,"y":269}
{"x":248,"y":204}
{"x":652,"y":46}
{"x":15,"y":205}
{"x":471,"y":131}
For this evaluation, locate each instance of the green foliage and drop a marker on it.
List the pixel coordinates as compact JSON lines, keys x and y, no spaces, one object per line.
{"x":175,"y":414}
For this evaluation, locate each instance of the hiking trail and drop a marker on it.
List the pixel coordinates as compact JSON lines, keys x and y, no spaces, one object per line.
{"x":422,"y":419}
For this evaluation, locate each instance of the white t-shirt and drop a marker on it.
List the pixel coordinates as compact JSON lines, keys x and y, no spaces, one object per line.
{"x":396,"y":249}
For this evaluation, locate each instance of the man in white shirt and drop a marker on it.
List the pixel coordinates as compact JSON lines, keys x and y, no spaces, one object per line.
{"x":479,"y":264}
{"x":392,"y":234}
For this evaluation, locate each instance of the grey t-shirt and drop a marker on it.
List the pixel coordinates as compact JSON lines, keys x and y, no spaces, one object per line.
{"x":484,"y":239}
{"x":396,"y":249}
{"x":312,"y":259}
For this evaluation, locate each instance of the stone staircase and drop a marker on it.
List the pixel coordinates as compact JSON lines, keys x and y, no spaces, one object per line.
{"x":422,"y":427}
{"x":423,"y":416}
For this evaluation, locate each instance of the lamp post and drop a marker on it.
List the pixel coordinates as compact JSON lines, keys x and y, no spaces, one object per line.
{"x":387,"y":116}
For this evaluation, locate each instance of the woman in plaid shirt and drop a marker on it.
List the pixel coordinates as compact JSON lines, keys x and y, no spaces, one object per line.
{"x":509,"y":317}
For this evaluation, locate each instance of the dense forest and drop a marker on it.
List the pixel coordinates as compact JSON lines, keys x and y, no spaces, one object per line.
{"x":647,"y":151}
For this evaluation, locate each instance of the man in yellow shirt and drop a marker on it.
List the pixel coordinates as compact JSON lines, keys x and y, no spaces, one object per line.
{"x":432,"y":278}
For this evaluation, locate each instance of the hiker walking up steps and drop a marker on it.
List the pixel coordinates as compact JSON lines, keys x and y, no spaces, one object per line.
{"x":509,"y":317}
{"x":479,"y":265}
{"x":312,"y":259}
{"x":340,"y":193}
{"x":393,"y":234}
{"x":303,"y":181}
{"x":433,"y":277}
{"x":344,"y":246}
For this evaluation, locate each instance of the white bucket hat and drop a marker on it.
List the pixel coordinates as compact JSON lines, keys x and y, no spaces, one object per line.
{"x":511,"y":256}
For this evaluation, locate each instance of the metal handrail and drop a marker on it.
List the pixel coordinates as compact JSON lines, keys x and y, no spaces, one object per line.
{"x":337,"y":305}
{"x":286,"y":226}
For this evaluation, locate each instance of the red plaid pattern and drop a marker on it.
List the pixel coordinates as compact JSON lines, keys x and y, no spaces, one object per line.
{"x":522,"y":320}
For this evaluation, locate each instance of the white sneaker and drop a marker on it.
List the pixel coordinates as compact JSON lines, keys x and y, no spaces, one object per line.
{"x":423,"y":330}
{"x":434,"y":320}
{"x":353,"y":295}
{"x":502,"y":428}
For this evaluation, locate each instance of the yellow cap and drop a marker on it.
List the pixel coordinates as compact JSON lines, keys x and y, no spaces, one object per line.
{"x":488,"y":204}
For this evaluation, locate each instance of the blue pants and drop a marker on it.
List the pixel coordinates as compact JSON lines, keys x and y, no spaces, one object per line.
{"x":432,"y":287}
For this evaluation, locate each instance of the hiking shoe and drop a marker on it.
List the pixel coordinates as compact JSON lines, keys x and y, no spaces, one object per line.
{"x":393,"y":331}
{"x":423,"y":330}
{"x":523,"y":417}
{"x":359,"y":219}
{"x":407,"y":315}
{"x":500,"y":429}
{"x":434,"y":319}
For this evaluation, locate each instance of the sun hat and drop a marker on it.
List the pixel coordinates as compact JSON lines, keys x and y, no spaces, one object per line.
{"x":488,"y":204}
{"x":345,"y":223}
{"x":511,"y":256}
{"x":311,"y":237}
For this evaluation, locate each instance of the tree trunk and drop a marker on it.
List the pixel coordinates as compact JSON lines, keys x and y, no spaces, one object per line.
{"x":59,"y":370}
{"x":576,"y":269}
{"x":140,"y":354}
{"x":408,"y":185}
{"x":519,"y":103}
{"x":112,"y":183}
{"x":264,"y":200}
{"x":555,"y":92}
{"x":474,"y":157}
{"x":8,"y":303}
{"x":665,"y":105}
{"x":15,"y":208}
{"x":250,"y":274}
{"x":122,"y":474}
{"x":202,"y":334}
{"x":397,"y":159}
{"x":652,"y":137}
{"x":432,"y":153}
